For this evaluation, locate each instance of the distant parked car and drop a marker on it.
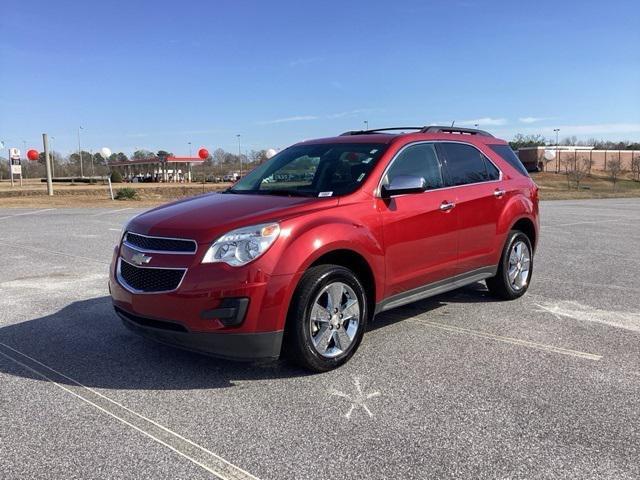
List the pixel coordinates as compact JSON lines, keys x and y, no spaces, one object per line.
{"x":301,"y":265}
{"x":231,"y":177}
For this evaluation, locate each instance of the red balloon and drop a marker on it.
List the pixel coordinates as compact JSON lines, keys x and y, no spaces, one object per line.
{"x":33,"y":154}
{"x":203,"y":153}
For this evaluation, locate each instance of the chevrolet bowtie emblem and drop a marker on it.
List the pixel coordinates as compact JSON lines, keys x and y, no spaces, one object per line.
{"x":140,"y":259}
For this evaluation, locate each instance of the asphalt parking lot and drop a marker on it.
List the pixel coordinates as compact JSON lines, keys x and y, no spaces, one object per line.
{"x":457,"y":386}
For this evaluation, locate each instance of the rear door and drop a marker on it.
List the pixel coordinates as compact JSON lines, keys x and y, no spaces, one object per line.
{"x":479,"y":200}
{"x":420,"y":236}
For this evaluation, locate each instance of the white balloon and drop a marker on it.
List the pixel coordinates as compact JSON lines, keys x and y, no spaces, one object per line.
{"x":549,"y":154}
{"x":106,"y":152}
{"x":271,"y":152}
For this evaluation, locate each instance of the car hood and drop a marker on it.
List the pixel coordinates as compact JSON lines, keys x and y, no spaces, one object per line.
{"x":206,"y":217}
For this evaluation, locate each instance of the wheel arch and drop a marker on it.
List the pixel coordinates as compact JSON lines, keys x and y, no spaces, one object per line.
{"x":347,"y":258}
{"x":357,"y":264}
{"x":526,"y":226}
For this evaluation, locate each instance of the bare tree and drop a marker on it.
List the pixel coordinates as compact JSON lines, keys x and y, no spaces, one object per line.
{"x":635,"y":167}
{"x":580,"y":168}
{"x":572,"y":140}
{"x":614,"y":169}
{"x":568,"y":162}
{"x":218,"y":156}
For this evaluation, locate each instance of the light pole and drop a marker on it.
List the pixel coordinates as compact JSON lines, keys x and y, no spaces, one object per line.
{"x":80,"y":152}
{"x":190,"y":165}
{"x":557,"y":130}
{"x":24,"y":152}
{"x":366,"y":125}
{"x":476,"y":125}
{"x":239,"y":154}
{"x":53,"y":171}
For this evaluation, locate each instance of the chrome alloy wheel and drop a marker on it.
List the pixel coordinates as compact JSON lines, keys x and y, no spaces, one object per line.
{"x":519,"y":265}
{"x":334,"y":319}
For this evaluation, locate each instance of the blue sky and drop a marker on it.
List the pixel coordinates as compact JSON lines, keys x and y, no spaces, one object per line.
{"x":143,"y":74}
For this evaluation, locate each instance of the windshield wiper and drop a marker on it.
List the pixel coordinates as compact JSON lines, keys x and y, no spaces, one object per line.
{"x":240,"y":192}
{"x":286,"y":192}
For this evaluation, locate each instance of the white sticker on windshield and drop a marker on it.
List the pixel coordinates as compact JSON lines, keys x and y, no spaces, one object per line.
{"x":325,"y":194}
{"x":360,"y":177}
{"x":373,"y":151}
{"x":367,"y":160}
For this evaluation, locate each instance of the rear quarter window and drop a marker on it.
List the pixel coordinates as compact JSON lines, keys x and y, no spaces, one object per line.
{"x":510,"y":157}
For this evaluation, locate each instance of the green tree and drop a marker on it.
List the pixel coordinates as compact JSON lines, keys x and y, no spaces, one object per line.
{"x":4,"y":168}
{"x":143,"y":154}
{"x":521,"y":141}
{"x":99,"y":159}
{"x":116,"y":177}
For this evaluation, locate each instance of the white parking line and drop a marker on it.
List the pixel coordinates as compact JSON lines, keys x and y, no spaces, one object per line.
{"x":28,"y":213}
{"x":111,"y":211}
{"x":184,"y":447}
{"x":513,"y":341}
{"x":565,"y":281}
{"x":53,"y":252}
{"x":582,"y":223}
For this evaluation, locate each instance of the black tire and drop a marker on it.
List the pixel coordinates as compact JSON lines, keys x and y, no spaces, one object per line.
{"x":299,"y":345}
{"x":500,"y":286}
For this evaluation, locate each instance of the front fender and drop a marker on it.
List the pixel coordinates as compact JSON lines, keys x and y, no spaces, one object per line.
{"x":303,"y":244}
{"x":307,"y":243}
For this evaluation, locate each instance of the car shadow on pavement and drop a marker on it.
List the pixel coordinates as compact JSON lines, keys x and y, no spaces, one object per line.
{"x":474,"y":293}
{"x":87,"y":342}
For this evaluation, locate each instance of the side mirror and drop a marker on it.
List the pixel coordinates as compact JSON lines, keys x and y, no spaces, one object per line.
{"x":404,"y":184}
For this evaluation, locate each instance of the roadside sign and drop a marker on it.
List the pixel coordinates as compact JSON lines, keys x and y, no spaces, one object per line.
{"x":16,"y":167}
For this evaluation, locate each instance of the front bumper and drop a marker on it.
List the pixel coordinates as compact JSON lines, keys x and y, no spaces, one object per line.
{"x":233,"y":346}
{"x":235,"y":313}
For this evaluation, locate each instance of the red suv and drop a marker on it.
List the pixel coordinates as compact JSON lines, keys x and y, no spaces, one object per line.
{"x":298,"y":256}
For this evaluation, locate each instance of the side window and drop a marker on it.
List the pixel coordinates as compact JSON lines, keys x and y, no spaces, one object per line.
{"x":492,"y":171}
{"x":466,"y":164}
{"x":419,"y":160}
{"x":510,"y":157}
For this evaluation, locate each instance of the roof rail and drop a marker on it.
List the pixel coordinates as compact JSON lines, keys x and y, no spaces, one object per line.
{"x":377,"y":130}
{"x":462,"y":131}
{"x":427,"y":129}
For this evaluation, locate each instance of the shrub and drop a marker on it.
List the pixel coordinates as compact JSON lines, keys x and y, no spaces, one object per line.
{"x":116,"y":177}
{"x":126,"y":193}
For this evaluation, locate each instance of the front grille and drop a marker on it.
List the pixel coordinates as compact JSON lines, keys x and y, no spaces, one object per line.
{"x":160,"y":244}
{"x":150,"y":279}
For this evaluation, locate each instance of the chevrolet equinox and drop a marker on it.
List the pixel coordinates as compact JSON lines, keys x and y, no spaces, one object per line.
{"x":300,"y":254}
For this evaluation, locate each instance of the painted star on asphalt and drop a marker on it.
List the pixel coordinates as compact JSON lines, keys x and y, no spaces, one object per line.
{"x":358,"y":400}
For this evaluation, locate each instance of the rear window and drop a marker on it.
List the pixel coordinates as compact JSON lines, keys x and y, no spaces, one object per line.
{"x":466,"y":164}
{"x":510,"y":157}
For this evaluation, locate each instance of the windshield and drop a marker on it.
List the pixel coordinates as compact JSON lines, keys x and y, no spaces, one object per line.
{"x":320,"y":170}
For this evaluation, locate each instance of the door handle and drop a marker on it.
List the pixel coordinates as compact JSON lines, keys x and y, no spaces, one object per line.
{"x":446,"y":206}
{"x":498,"y":193}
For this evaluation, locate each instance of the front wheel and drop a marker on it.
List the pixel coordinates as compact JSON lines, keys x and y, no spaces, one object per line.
{"x":515,"y":268}
{"x":327,"y":318}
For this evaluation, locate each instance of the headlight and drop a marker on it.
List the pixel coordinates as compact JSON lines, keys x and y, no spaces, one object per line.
{"x":123,"y":231}
{"x":239,"y":247}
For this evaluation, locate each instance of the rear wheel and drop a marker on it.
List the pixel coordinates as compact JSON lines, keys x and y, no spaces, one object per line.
{"x":515,"y":268}
{"x":326,"y":319}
